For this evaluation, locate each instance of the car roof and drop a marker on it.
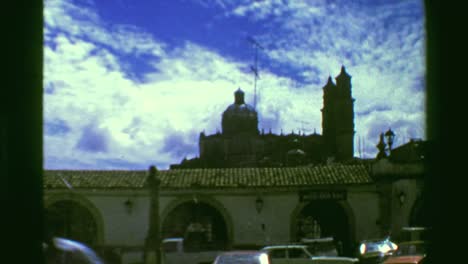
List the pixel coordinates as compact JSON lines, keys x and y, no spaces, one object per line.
{"x":240,"y":252}
{"x":313,"y":240}
{"x":335,"y":257}
{"x":173,"y":239}
{"x":284,"y":246}
{"x":414,"y":228}
{"x":375,"y":241}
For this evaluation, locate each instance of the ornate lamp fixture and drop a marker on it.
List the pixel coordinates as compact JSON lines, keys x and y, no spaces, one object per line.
{"x":128,"y":206}
{"x":259,"y":204}
{"x":389,"y":135}
{"x":402,"y":198}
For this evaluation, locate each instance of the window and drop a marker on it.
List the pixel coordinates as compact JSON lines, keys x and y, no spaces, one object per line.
{"x":170,"y":247}
{"x":278,"y":253}
{"x":297,"y":253}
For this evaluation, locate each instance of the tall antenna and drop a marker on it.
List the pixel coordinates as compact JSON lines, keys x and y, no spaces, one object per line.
{"x":363,"y":147}
{"x":359,"y":147}
{"x":303,"y":129}
{"x":254,"y":68}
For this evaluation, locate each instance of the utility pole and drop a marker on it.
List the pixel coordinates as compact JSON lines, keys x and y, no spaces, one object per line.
{"x":153,"y":239}
{"x":254,"y":68}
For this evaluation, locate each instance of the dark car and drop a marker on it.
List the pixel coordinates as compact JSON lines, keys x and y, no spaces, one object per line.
{"x":66,"y":251}
{"x":376,"y":251}
{"x":412,"y":252}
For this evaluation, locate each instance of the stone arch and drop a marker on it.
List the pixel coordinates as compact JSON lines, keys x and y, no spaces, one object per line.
{"x":346,"y":211}
{"x":82,"y":201}
{"x":202,"y":199}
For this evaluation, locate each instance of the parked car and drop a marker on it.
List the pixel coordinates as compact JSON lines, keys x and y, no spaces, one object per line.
{"x":286,"y":254}
{"x":175,"y":252}
{"x":321,"y":246}
{"x":299,"y":254}
{"x":412,"y":252}
{"x":242,"y":257}
{"x":333,"y":260}
{"x":67,"y":251}
{"x":376,"y":251}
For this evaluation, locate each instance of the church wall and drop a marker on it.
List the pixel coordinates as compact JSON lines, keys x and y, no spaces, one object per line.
{"x":401,"y":212}
{"x":271,"y":225}
{"x":119,"y":226}
{"x":123,"y":228}
{"x":247,"y":227}
{"x":365,"y":207}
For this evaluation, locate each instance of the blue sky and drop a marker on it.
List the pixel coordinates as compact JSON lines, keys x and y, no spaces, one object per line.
{"x":129,"y":83}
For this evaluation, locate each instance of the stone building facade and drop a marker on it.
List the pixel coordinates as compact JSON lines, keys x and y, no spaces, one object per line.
{"x":238,"y":207}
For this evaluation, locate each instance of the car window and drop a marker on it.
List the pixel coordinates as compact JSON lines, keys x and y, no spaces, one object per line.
{"x":236,"y":259}
{"x":170,"y":247}
{"x":297,"y":253}
{"x":278,"y":253}
{"x":323,"y":249}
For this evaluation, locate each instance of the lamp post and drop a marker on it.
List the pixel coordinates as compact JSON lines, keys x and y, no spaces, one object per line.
{"x":153,"y":239}
{"x":381,"y":147}
{"x":389,"y":135}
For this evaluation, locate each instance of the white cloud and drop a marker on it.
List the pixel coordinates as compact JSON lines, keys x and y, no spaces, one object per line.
{"x":83,"y":21}
{"x":191,"y":85}
{"x":381,"y":46}
{"x":186,"y":95}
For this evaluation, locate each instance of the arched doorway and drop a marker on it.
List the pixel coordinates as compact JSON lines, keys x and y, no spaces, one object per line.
{"x":69,"y":219}
{"x":325,"y":218}
{"x":200,"y":224}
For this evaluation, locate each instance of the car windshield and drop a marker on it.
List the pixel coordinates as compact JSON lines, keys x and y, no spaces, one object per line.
{"x":411,"y":249}
{"x":323,"y":249}
{"x":239,"y":258}
{"x":371,"y":247}
{"x":379,"y":246}
{"x":70,"y":251}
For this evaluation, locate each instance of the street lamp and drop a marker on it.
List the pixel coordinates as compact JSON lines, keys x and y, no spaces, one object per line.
{"x":381,"y":147}
{"x":259,"y":204}
{"x":390,"y":136}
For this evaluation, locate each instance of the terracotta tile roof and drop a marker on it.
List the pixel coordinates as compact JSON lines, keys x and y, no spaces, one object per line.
{"x":212,"y":178}
{"x":97,"y":179}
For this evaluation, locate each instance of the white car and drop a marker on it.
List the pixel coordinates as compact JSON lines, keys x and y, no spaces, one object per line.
{"x":67,"y":251}
{"x":299,"y":254}
{"x":242,"y":257}
{"x":288,"y":254}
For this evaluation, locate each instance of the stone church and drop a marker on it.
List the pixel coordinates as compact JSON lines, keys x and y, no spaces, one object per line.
{"x":241,"y":144}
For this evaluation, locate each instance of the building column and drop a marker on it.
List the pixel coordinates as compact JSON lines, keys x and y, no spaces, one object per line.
{"x":385,"y":204}
{"x":153,"y":239}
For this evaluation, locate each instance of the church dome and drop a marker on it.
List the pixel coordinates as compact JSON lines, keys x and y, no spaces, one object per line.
{"x":239,"y":117}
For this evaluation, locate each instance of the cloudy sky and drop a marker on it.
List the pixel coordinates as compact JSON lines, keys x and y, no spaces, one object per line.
{"x":129,"y":83}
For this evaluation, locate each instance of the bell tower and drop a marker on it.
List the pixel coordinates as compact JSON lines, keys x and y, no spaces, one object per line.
{"x":338,"y":117}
